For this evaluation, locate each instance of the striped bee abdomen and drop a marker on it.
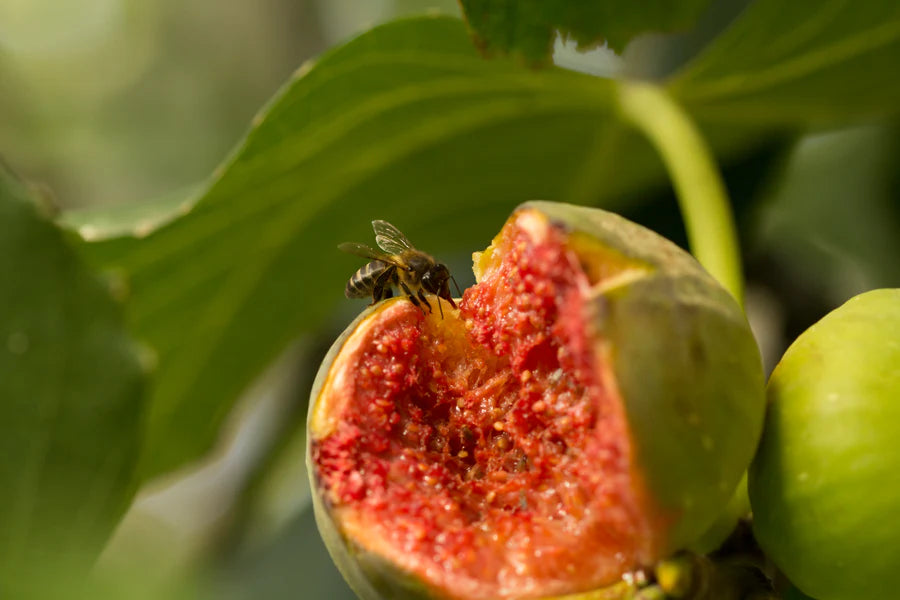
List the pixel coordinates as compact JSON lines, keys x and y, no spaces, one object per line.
{"x":362,"y":283}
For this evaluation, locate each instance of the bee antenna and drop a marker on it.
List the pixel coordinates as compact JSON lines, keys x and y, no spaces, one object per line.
{"x":458,"y":293}
{"x":440,"y":307}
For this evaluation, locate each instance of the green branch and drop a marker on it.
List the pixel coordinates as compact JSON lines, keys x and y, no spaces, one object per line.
{"x":701,"y":194}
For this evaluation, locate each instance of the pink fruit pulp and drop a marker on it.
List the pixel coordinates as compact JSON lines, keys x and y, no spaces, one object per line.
{"x":488,"y":453}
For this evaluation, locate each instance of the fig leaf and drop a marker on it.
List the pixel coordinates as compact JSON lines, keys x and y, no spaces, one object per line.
{"x":808,"y":62}
{"x":251,"y":261}
{"x":528,"y":27}
{"x":70,"y":400}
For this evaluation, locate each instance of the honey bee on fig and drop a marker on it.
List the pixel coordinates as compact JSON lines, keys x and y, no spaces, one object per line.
{"x":398,"y":264}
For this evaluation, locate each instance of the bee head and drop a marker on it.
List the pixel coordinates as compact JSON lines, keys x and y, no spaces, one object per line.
{"x":435,"y":279}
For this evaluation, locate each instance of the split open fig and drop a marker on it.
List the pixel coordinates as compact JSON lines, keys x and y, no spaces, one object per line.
{"x":825,"y":485}
{"x":587,"y":411}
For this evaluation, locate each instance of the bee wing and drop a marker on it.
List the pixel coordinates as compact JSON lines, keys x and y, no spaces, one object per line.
{"x":390,"y":239}
{"x":370,"y":253}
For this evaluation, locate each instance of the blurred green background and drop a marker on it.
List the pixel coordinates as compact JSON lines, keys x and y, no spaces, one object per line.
{"x":110,"y":102}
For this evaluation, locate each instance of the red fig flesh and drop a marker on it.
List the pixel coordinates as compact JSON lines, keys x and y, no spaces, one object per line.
{"x":491,"y":454}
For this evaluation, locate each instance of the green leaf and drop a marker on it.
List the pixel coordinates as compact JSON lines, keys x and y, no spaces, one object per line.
{"x":823,"y":63}
{"x":838,"y":252}
{"x":405,"y":123}
{"x":70,"y":399}
{"x":528,"y":27}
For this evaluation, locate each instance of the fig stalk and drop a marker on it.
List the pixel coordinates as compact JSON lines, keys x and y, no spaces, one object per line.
{"x":702,"y":197}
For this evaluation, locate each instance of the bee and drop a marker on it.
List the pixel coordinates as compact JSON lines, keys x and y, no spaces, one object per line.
{"x":398,"y":264}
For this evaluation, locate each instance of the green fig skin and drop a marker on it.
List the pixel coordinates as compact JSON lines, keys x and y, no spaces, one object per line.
{"x":737,"y":509}
{"x":686,"y":368}
{"x":825,"y":484}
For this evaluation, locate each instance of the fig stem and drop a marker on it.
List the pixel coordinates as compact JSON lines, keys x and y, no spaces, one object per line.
{"x":690,"y":576}
{"x":653,"y":592}
{"x":701,"y":193}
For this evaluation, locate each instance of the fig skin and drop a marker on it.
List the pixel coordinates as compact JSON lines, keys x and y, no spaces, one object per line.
{"x":824,"y":484}
{"x":367,"y":574}
{"x":686,"y":363}
{"x":685,"y":366}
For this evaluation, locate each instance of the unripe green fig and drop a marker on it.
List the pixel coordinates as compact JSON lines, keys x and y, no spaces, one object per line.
{"x":586,"y":411}
{"x":825,"y":485}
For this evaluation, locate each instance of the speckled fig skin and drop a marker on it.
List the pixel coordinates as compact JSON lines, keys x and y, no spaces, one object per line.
{"x":825,"y":485}
{"x":686,"y":368}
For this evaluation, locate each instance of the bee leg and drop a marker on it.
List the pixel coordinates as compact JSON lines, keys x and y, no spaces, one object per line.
{"x":380,"y":289}
{"x":412,"y":297}
{"x":440,"y":306}
{"x":424,"y":300}
{"x":377,"y":292}
{"x":380,"y":292}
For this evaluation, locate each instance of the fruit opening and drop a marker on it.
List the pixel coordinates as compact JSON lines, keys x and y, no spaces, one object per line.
{"x":488,"y":453}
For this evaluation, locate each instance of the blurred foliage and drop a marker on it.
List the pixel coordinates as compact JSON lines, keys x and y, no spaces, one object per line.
{"x":527,"y":28}
{"x":71,"y":386}
{"x":112,"y":101}
{"x":848,"y":242}
{"x":294,"y":563}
